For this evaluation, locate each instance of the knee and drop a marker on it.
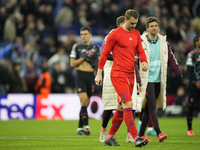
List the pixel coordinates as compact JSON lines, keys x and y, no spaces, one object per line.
{"x":85,"y":102}
{"x":152,"y":107}
{"x":120,"y":107}
{"x":128,"y":104}
{"x":192,"y":102}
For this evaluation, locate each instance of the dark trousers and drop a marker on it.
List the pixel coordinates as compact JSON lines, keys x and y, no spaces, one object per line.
{"x":153,"y":90}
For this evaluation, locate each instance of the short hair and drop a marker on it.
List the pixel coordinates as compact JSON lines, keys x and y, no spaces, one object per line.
{"x":150,"y":20}
{"x":131,"y":13}
{"x":196,"y":39}
{"x":120,"y":20}
{"x":86,"y":28}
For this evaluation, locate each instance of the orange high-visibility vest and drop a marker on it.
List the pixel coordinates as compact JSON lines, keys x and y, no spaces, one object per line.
{"x":43,"y":84}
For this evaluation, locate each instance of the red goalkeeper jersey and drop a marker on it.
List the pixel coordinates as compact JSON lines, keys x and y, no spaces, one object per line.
{"x":123,"y":45}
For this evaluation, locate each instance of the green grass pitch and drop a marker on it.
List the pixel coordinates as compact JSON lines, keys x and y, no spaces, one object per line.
{"x":61,"y":135}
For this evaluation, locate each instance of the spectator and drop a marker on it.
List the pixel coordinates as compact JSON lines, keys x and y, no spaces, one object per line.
{"x":46,"y":50}
{"x":69,"y":42}
{"x":30,"y":74}
{"x":10,"y":30}
{"x":42,"y":31}
{"x":49,"y":18}
{"x":43,"y":84}
{"x":18,"y":50}
{"x":15,"y":80}
{"x":3,"y":18}
{"x":3,"y":78}
{"x":60,"y":56}
{"x":20,"y":26}
{"x":64,"y":16}
{"x":31,"y":52}
{"x":29,"y":32}
{"x":180,"y":100}
{"x":81,"y":18}
{"x":94,"y":16}
{"x":59,"y":78}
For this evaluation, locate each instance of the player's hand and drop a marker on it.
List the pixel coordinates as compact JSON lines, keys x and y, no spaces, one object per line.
{"x":145,"y":66}
{"x":98,"y":80}
{"x":139,"y":88}
{"x":85,"y":55}
{"x":198,"y":84}
{"x":136,"y":58}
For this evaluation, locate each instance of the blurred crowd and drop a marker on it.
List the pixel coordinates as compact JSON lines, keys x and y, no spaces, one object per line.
{"x":29,"y":37}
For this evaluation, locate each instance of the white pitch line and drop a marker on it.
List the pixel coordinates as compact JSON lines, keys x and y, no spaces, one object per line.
{"x":77,"y":139}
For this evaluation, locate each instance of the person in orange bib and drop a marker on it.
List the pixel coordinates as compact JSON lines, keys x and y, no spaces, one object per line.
{"x":43,"y":84}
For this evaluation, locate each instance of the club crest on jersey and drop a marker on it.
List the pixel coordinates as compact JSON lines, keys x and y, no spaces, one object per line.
{"x":123,"y":96}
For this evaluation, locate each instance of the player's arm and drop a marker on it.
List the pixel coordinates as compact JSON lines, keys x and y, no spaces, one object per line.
{"x":141,"y":54}
{"x":140,"y":51}
{"x":172,"y":62}
{"x":74,"y":62}
{"x":98,"y":78}
{"x":190,"y":67}
{"x":110,"y":57}
{"x":109,"y":44}
{"x":138,"y":79}
{"x":108,"y":47}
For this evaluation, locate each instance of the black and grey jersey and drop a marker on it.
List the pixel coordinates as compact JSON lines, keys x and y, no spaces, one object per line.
{"x":193,"y":65}
{"x":90,"y":52}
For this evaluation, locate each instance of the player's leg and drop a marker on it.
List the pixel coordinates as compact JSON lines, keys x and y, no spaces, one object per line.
{"x":127,"y":104}
{"x":85,"y":100}
{"x":105,"y":119}
{"x":116,"y":123}
{"x":82,"y":85}
{"x":81,"y":90}
{"x":150,"y":130}
{"x":153,"y":90}
{"x":193,"y":99}
{"x":129,"y":138}
{"x":140,"y":120}
{"x":90,"y":87}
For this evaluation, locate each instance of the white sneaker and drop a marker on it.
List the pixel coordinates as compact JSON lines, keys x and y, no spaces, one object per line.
{"x":129,"y":139}
{"x":102,"y":136}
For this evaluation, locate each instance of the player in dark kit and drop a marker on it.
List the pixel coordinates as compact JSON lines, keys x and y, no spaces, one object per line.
{"x":83,"y":57}
{"x":193,"y":70}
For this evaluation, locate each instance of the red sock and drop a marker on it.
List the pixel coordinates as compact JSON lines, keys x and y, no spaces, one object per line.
{"x":129,"y":121}
{"x":116,"y":122}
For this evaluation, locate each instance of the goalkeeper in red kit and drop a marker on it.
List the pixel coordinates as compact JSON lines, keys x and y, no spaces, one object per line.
{"x":124,"y":42}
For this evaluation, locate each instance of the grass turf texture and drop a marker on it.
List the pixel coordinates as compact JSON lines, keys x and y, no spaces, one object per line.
{"x":61,"y":135}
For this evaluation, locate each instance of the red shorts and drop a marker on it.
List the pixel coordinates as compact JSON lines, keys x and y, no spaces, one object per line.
{"x":124,"y":87}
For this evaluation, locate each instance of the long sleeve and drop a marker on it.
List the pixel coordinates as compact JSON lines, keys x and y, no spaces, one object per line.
{"x":140,"y":50}
{"x":138,"y":79}
{"x":109,"y":44}
{"x":190,"y":67}
{"x":172,"y":63}
{"x":110,"y":57}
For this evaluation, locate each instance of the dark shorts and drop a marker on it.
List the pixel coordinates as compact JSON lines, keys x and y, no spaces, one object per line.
{"x":85,"y":82}
{"x":194,"y":94}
